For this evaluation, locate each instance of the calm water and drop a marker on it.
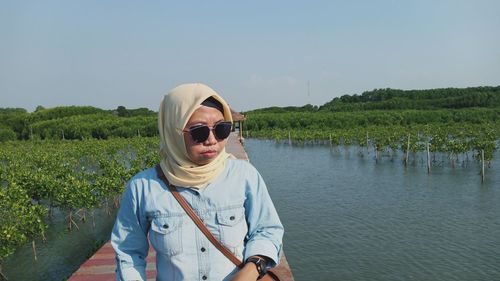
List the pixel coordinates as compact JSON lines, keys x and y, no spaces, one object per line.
{"x":64,"y":251}
{"x":348,"y":218}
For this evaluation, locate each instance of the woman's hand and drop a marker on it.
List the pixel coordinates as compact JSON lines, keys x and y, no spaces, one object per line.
{"x":247,"y":273}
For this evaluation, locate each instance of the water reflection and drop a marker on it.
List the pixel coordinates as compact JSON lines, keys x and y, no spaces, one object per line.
{"x":63,"y":252}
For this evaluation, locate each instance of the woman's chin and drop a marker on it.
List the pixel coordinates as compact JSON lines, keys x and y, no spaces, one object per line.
{"x":205,"y":158}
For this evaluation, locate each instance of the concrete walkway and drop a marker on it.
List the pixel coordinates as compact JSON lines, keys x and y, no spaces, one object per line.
{"x":101,"y":266}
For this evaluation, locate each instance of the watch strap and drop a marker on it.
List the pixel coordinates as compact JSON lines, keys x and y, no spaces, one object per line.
{"x":260,"y":263}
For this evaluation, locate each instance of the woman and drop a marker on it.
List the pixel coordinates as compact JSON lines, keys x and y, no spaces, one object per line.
{"x":229,"y":195}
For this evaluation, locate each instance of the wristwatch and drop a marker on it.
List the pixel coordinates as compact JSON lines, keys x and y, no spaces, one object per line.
{"x":260,"y":263}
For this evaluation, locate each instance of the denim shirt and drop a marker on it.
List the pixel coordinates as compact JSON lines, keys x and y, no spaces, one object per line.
{"x":235,"y":207}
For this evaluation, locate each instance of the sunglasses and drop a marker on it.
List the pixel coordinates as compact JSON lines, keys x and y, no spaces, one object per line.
{"x":200,"y":133}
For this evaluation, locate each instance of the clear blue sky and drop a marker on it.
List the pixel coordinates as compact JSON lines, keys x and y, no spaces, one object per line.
{"x":254,"y":53}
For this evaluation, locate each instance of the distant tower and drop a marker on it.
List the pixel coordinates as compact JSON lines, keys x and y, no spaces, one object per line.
{"x":308,"y":92}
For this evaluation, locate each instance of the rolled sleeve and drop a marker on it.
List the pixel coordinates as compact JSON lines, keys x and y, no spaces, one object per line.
{"x":265,"y":231}
{"x":263,"y":248}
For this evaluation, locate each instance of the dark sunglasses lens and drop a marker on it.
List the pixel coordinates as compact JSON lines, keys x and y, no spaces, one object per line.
{"x":222,"y":130}
{"x":199,"y":134}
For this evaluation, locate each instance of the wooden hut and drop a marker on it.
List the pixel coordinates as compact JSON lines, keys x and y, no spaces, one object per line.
{"x":238,"y":119}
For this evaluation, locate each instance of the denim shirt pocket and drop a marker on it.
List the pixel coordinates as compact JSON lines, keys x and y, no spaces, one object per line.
{"x":232,"y":226}
{"x":166,"y":234}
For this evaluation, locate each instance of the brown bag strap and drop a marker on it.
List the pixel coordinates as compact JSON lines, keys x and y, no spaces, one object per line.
{"x":197,"y":220}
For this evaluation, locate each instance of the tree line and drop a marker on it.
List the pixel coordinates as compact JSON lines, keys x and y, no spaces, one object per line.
{"x":344,"y":120}
{"x":76,"y":122}
{"x":395,"y":99}
{"x":377,"y":107}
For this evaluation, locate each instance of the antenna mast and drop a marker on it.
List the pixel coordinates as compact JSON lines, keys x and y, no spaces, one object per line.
{"x":308,"y":92}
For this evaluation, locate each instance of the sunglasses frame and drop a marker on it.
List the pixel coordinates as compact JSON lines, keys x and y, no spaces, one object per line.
{"x":210,"y":129}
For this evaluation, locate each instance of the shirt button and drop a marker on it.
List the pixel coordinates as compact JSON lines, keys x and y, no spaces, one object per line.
{"x":232,"y":218}
{"x":203,"y":249}
{"x":204,"y":277}
{"x":165,"y":226}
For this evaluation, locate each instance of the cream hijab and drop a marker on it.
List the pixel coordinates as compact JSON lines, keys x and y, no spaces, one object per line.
{"x":175,"y":110}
